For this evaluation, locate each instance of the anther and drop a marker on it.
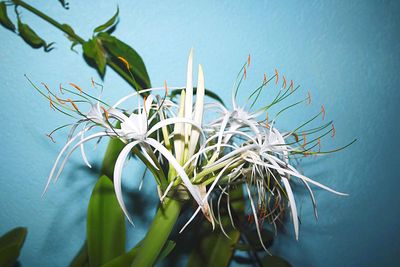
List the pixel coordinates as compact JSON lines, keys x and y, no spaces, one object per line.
{"x":277,"y":76}
{"x":125,"y":62}
{"x":323,"y":112}
{"x":76,"y":87}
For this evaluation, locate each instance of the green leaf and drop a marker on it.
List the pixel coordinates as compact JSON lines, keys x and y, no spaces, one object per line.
{"x":214,"y":244}
{"x":95,"y":55}
{"x":4,"y":19}
{"x":116,"y":48}
{"x":123,"y":260}
{"x":166,"y":250}
{"x":11,"y":244}
{"x":208,"y":93}
{"x":105,"y":224}
{"x":108,"y":24}
{"x":31,"y":38}
{"x":274,"y":261}
{"x":82,"y":258}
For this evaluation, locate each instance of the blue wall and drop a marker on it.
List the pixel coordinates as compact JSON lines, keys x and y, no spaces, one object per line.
{"x":347,"y":53}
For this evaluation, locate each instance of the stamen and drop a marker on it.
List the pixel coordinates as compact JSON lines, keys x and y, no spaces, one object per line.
{"x":45,"y":85}
{"x":319,"y":144}
{"x":284,"y":82}
{"x":105,"y":112}
{"x":73,"y":104}
{"x":61,"y":89}
{"x":144,"y":103}
{"x":51,"y":103}
{"x":248,"y":61}
{"x":304,"y":139}
{"x":245,"y":72}
{"x":296,"y":137}
{"x":76,"y":87}
{"x":309,"y":97}
{"x":323,"y":112}
{"x":333,"y":130}
{"x":91,"y":79}
{"x":125,"y":62}
{"x":62,"y":102}
{"x":277,"y":76}
{"x":265,"y":78}
{"x":291,"y":86}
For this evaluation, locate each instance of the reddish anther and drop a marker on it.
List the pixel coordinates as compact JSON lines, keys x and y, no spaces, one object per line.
{"x":291,"y":85}
{"x":47,"y":88}
{"x":245,"y":73}
{"x":265,"y":78}
{"x":309,"y":97}
{"x":277,"y":76}
{"x":333,"y":130}
{"x":248,"y":61}
{"x":323,"y":112}
{"x":91,"y":79}
{"x":105,"y":112}
{"x":304,"y":140}
{"x":76,"y":87}
{"x":60,"y":100}
{"x":61,"y":89}
{"x":284,"y":82}
{"x":51,"y":103}
{"x":73,"y":104}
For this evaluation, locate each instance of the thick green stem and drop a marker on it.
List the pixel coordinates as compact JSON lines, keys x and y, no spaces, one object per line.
{"x":158,"y":234}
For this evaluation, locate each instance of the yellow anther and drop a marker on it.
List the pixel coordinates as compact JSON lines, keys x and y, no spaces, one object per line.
{"x":125,"y":62}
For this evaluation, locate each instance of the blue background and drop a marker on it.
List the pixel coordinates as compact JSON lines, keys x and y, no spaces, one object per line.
{"x":345,"y":52}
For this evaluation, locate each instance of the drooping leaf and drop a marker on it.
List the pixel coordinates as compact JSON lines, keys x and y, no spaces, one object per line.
{"x":105,"y":224}
{"x":81,"y":259}
{"x":111,"y":22}
{"x":274,"y":261}
{"x":31,"y":37}
{"x":208,"y":93}
{"x":4,"y":19}
{"x":95,"y":55}
{"x":115,"y":49}
{"x":214,"y":248}
{"x":11,"y":244}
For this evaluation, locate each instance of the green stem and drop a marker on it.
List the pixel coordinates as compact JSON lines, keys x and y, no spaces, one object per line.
{"x":68,"y":30}
{"x":159,"y":231}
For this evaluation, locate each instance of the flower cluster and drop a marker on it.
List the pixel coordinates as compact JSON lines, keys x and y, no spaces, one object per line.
{"x":238,"y":146}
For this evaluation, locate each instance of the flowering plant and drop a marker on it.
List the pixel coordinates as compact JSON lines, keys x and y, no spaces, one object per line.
{"x":198,"y":151}
{"x":234,"y":147}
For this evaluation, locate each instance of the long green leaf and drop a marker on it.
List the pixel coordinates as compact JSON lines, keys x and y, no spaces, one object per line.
{"x":108,"y":24}
{"x":115,"y":49}
{"x":95,"y":55}
{"x":105,"y":224}
{"x":82,"y":258}
{"x":11,"y":244}
{"x":4,"y":19}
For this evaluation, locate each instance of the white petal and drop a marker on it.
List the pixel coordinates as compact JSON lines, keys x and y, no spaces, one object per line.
{"x":119,"y":165}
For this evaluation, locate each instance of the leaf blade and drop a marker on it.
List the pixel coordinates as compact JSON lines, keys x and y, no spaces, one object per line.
{"x":11,"y":244}
{"x":107,"y":24}
{"x":105,"y":224}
